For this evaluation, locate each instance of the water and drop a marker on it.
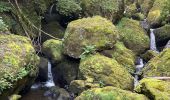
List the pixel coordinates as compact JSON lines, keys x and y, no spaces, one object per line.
{"x":51,"y":9}
{"x":49,"y":83}
{"x":139,"y":67}
{"x":152,"y":40}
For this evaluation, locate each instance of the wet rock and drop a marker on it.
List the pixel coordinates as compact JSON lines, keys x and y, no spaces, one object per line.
{"x":110,"y":93}
{"x":96,"y":31}
{"x":159,"y":65}
{"x":43,"y":70}
{"x":168,"y":44}
{"x":65,"y":71}
{"x":122,"y":55}
{"x":18,"y":64}
{"x":105,"y":71}
{"x":154,"y":89}
{"x":53,"y":50}
{"x":133,"y":35}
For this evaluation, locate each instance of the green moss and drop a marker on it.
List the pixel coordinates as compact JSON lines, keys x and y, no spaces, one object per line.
{"x":98,"y":68}
{"x":110,"y":93}
{"x":154,"y":89}
{"x":133,"y":35}
{"x":149,"y":55}
{"x":68,"y":7}
{"x":53,"y":49}
{"x":3,"y":26}
{"x":95,"y":31}
{"x":159,"y":65}
{"x":18,"y":59}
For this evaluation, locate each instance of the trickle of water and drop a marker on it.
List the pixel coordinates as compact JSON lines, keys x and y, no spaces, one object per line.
{"x":50,"y":81}
{"x":139,"y":67}
{"x":51,"y":9}
{"x":152,"y":40}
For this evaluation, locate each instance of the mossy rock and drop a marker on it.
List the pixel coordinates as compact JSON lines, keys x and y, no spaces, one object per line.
{"x":53,"y":50}
{"x":105,"y":71}
{"x":122,"y":55}
{"x":110,"y":93}
{"x":95,"y":31}
{"x":66,"y":71}
{"x":130,"y":10}
{"x":159,"y":65}
{"x":149,"y":55}
{"x":133,"y":35}
{"x":155,"y":17}
{"x":162,"y":34}
{"x":154,"y":89}
{"x":110,"y":9}
{"x":18,"y":64}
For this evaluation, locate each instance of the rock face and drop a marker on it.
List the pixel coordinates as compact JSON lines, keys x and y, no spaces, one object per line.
{"x":149,"y":55}
{"x":110,"y":93}
{"x":162,"y":34}
{"x":53,"y":50}
{"x":154,"y":89}
{"x":18,"y":64}
{"x":159,"y":65}
{"x":168,"y":44}
{"x":133,"y":35}
{"x":155,"y":16}
{"x":122,"y":55}
{"x":106,"y":71}
{"x":110,"y":9}
{"x":95,"y":31}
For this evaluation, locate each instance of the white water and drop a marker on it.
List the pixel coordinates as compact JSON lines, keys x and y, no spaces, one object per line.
{"x":51,"y":9}
{"x":139,"y":67}
{"x":152,"y":40}
{"x":48,"y":83}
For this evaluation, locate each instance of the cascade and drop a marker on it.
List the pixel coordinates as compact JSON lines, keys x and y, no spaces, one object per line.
{"x":139,"y":67}
{"x":51,"y":9}
{"x":152,"y":40}
{"x":50,"y":81}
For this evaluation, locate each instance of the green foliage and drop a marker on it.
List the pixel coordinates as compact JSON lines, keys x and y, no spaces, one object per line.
{"x":166,"y":10}
{"x":4,"y":7}
{"x":89,"y":49}
{"x":3,"y":26}
{"x":67,"y":7}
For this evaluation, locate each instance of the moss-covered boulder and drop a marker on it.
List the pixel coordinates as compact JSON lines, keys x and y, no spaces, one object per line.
{"x":162,"y":34}
{"x":122,"y":55}
{"x":18,"y":64}
{"x":157,"y":13}
{"x":149,"y":55}
{"x":110,"y":93}
{"x":95,"y":31}
{"x":66,"y":71}
{"x":154,"y":89}
{"x":53,"y":50}
{"x":159,"y":65}
{"x":106,"y":71}
{"x":133,"y":35}
{"x":110,"y":9}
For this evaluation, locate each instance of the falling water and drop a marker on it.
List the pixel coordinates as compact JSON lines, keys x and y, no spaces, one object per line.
{"x":139,"y":67}
{"x":50,"y":81}
{"x":51,"y":9}
{"x":152,"y":40}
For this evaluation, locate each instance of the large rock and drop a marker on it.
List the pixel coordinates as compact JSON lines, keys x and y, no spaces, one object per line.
{"x":149,"y":55}
{"x":18,"y":64}
{"x":106,"y":71}
{"x":110,"y":9}
{"x":162,"y":35}
{"x":157,"y":13}
{"x":154,"y":89}
{"x":53,"y":50}
{"x":122,"y":55}
{"x":159,"y":65}
{"x":110,"y":93}
{"x":133,"y":35}
{"x":95,"y":31}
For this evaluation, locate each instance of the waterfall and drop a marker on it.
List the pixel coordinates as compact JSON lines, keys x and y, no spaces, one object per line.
{"x":51,"y":9}
{"x":152,"y":40}
{"x":50,"y":81}
{"x":139,"y":67}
